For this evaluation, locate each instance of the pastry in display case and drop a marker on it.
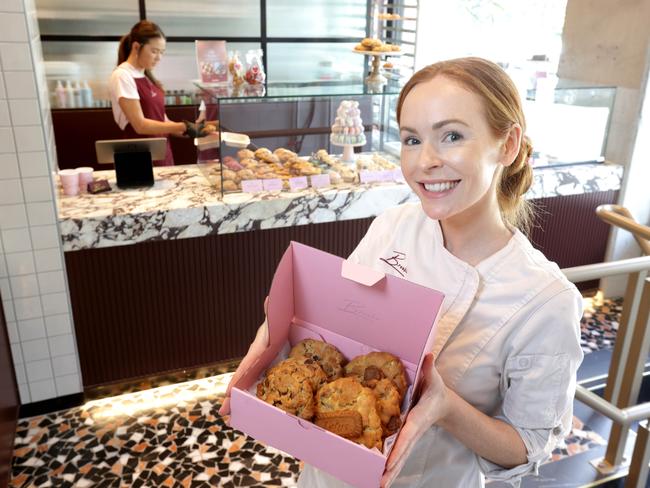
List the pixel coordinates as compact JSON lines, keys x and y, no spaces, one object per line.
{"x":278,"y":143}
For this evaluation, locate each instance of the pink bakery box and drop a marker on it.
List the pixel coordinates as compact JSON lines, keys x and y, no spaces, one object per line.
{"x":355,"y":308}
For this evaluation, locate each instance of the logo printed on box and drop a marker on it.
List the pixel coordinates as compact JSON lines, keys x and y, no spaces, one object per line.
{"x":354,"y":307}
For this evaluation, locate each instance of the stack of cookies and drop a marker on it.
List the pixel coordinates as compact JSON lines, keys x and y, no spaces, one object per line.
{"x":370,"y":44}
{"x":264,"y":164}
{"x":360,"y":400}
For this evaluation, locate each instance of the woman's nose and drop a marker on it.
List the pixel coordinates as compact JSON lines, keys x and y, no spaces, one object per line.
{"x":429,"y":157}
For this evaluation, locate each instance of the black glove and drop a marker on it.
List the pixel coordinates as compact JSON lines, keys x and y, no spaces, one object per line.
{"x":194,"y":130}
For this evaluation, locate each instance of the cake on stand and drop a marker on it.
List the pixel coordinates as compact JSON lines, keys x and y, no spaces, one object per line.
{"x":375,"y":79}
{"x":347,"y":130}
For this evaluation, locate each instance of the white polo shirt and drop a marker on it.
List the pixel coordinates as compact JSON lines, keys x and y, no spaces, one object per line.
{"x":122,"y":85}
{"x":508,"y":342}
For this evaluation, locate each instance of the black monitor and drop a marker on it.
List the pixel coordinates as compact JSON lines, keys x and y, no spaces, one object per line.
{"x":133,"y":159}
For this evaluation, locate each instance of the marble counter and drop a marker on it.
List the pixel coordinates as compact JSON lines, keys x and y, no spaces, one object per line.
{"x":182,"y":204}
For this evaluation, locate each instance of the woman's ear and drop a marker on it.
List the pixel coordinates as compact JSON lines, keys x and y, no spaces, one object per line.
{"x":136,"y":47}
{"x":511,"y":145}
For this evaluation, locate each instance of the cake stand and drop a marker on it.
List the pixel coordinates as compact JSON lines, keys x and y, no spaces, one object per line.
{"x":375,"y":78}
{"x":348,"y":151}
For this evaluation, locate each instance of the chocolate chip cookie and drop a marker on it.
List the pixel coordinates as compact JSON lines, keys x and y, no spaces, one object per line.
{"x":289,"y":386}
{"x":339,"y":406}
{"x":372,"y":367}
{"x":327,"y":356}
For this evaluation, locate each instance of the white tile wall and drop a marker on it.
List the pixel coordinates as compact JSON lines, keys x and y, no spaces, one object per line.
{"x":68,"y":384}
{"x":9,"y":165}
{"x":45,"y":236}
{"x":38,"y":370}
{"x":20,"y":263}
{"x":25,"y":112}
{"x":14,"y":26}
{"x":13,"y":216}
{"x":24,"y":286}
{"x":48,"y":260}
{"x":5,"y":121}
{"x":37,"y":350}
{"x":42,"y":390}
{"x":32,"y":273}
{"x":58,"y":324}
{"x":41,"y":213}
{"x":5,"y":288}
{"x":20,"y":84}
{"x":11,"y":191}
{"x":37,"y":189}
{"x":7,"y":144}
{"x":12,"y":329}
{"x":29,"y":138}
{"x":33,"y":164}
{"x":15,"y":56}
{"x":16,"y":240}
{"x":51,"y":282}
{"x":31,"y":329}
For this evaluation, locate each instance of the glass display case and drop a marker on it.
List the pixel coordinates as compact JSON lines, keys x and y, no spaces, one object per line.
{"x":569,"y":125}
{"x":288,"y":138}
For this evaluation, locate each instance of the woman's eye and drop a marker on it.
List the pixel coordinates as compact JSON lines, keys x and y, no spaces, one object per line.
{"x":411,"y":141}
{"x":452,"y":137}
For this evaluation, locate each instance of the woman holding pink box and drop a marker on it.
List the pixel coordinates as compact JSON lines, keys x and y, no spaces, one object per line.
{"x":500,"y":379}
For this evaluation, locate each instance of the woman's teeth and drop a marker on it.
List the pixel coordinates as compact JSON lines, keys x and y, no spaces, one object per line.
{"x":438,"y":187}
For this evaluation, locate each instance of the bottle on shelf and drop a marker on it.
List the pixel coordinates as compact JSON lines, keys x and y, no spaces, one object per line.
{"x":69,"y":95}
{"x":78,"y":95}
{"x":87,"y":94}
{"x":59,"y":94}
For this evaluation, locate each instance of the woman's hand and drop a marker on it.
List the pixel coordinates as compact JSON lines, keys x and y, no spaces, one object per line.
{"x":259,"y":345}
{"x":433,"y":405}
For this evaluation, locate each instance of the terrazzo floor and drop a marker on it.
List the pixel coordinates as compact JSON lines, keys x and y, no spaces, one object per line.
{"x":172,"y":436}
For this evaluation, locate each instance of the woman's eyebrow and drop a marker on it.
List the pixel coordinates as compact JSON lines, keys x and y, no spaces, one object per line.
{"x":437,"y":125}
{"x":442,"y":123}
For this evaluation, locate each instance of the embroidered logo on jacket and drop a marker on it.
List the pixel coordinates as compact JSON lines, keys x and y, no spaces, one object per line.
{"x":397,"y":261}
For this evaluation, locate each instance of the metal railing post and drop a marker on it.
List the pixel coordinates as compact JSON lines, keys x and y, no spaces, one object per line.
{"x":621,"y":349}
{"x":633,"y":368}
{"x":629,"y":356}
{"x":638,"y":474}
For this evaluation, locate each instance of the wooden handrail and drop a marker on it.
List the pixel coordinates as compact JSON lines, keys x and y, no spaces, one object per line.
{"x":621,"y":217}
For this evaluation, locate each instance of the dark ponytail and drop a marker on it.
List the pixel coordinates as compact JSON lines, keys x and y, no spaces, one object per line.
{"x":142,"y":33}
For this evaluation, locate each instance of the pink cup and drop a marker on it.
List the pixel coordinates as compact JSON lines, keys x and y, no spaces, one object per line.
{"x":85,"y":177}
{"x":71,"y":190}
{"x":69,"y":177}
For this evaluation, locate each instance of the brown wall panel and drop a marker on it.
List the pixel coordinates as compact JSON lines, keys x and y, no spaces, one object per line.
{"x":8,"y":403}
{"x":166,"y":305}
{"x":568,"y":231}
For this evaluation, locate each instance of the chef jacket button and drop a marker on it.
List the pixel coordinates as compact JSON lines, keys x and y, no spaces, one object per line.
{"x":524,"y":362}
{"x":557,"y":430}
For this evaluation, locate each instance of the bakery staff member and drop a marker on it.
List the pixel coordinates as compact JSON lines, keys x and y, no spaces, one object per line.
{"x":137,"y":97}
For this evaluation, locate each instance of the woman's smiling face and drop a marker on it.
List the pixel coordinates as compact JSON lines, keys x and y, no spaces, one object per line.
{"x":449,"y":154}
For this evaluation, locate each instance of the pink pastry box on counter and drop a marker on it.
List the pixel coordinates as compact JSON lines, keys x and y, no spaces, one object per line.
{"x":284,"y":170}
{"x":362,"y":314}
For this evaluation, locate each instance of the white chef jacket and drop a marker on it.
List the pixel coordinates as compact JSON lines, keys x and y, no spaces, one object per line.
{"x":507,"y":341}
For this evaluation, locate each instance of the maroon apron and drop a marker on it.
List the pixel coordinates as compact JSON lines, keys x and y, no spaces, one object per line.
{"x":152,"y":101}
